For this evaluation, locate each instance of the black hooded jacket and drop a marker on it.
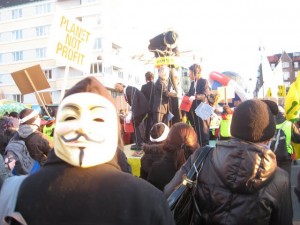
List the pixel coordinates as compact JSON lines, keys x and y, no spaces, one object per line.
{"x":240,"y":183}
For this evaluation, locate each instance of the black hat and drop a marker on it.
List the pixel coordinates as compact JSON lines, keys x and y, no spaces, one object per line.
{"x":171,"y":37}
{"x":254,"y":121}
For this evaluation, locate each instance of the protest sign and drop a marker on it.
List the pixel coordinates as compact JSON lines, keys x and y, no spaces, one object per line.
{"x":70,"y":42}
{"x":204,"y":111}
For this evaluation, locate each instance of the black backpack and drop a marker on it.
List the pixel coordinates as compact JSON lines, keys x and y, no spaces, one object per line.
{"x":278,"y":144}
{"x":16,"y":149}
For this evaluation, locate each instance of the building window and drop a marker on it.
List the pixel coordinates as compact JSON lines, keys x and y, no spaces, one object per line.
{"x":96,"y":68}
{"x":17,"y":34}
{"x":48,"y":74}
{"x":40,"y":52}
{"x":296,"y":73}
{"x":285,"y":65}
{"x":120,"y":74}
{"x":17,"y":56}
{"x":273,"y":66}
{"x":108,"y":70}
{"x":296,"y":64}
{"x":44,"y":8}
{"x":16,"y":13}
{"x":18,"y":98}
{"x":97,"y":44}
{"x":286,"y":75}
{"x":296,"y":54}
{"x":42,"y":30}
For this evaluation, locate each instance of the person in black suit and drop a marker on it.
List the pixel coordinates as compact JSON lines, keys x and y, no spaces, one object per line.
{"x":139,"y":108}
{"x":199,"y":91}
{"x":161,"y":96}
{"x":148,"y":90}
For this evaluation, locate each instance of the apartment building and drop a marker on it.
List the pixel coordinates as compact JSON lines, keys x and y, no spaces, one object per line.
{"x":287,"y":66}
{"x":25,"y":34}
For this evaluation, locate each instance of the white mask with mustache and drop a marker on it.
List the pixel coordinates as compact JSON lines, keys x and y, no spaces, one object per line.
{"x":86,"y":130}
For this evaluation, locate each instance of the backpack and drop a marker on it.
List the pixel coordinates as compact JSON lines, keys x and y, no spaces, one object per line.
{"x":278,"y":144}
{"x":16,"y":149}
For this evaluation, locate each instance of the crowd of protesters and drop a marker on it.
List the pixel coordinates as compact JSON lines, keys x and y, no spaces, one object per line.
{"x":82,"y":175}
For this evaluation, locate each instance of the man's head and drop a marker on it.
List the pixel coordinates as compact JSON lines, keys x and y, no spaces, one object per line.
{"x":163,"y":72}
{"x":149,"y":76}
{"x":195,"y":71}
{"x":86,"y":131}
{"x":119,"y":87}
{"x":159,"y":132}
{"x":30,"y":117}
{"x":254,"y":121}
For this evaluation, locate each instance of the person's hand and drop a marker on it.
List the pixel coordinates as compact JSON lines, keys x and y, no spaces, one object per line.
{"x":128,"y":118}
{"x":192,"y":98}
{"x":201,"y":97}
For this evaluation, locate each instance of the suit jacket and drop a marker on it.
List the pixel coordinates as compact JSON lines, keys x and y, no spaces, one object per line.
{"x":148,"y":90}
{"x":202,"y":87}
{"x":137,"y":100}
{"x":161,"y":99}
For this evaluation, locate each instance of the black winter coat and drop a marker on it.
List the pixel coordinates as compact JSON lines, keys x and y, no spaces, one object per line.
{"x":240,"y":183}
{"x":152,"y":153}
{"x":63,"y":194}
{"x":162,"y":171}
{"x":148,"y":90}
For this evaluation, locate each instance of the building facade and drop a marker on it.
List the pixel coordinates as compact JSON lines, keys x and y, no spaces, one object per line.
{"x":285,"y":67}
{"x":25,"y":34}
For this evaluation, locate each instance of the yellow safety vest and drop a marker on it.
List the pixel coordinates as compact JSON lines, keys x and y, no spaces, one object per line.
{"x":286,"y":126}
{"x":225,"y":127}
{"x":48,"y":131}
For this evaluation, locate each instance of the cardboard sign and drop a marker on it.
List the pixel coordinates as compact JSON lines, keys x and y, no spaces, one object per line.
{"x":215,"y":121}
{"x":281,"y":91}
{"x":204,"y":111}
{"x":226,"y":92}
{"x":30,"y":80}
{"x":269,"y":92}
{"x":45,"y":97}
{"x":170,"y":116}
{"x":185,"y":104}
{"x":71,"y":43}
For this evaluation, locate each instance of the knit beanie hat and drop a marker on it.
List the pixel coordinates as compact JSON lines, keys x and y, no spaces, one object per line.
{"x":28,"y":116}
{"x":254,"y":121}
{"x":159,"y":132}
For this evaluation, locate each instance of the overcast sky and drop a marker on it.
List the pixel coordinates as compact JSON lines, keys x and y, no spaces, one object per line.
{"x":225,"y":33}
